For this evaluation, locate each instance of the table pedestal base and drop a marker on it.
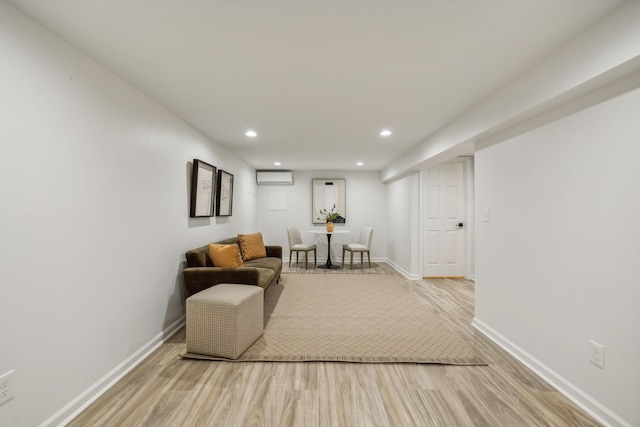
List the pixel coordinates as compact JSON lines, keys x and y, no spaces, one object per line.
{"x":328,"y":265}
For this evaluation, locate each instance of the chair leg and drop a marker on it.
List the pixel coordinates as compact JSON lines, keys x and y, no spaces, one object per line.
{"x":290,"y":255}
{"x":306,"y":259}
{"x":351,"y":266}
{"x":361,"y":263}
{"x":315,"y":257}
{"x":369,"y":258}
{"x":343,"y":257}
{"x":297,"y":253}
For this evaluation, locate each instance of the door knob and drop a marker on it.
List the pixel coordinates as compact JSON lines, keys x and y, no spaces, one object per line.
{"x":459,"y":225}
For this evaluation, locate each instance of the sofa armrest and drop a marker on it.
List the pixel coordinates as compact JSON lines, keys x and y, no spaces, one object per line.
{"x":197,"y":279}
{"x":274,"y":251}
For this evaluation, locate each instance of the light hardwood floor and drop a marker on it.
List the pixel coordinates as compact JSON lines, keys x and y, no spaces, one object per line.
{"x":166,"y":390}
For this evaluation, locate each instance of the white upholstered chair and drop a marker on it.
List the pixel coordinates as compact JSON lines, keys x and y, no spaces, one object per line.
{"x":363,"y":245}
{"x":296,"y":245}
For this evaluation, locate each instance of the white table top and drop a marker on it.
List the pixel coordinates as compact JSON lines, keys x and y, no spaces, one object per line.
{"x":324,"y":231}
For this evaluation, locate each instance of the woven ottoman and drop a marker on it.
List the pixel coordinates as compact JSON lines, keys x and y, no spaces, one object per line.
{"x":224,"y":320}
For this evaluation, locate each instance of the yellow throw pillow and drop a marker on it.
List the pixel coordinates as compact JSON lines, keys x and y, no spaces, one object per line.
{"x":252,"y":246}
{"x":225,"y":255}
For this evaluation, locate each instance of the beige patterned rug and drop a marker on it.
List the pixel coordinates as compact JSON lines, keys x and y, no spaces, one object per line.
{"x":298,"y":268}
{"x":352,"y":318}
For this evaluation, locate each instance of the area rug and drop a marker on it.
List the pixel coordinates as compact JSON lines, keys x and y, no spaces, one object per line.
{"x":354,"y":318}
{"x":298,"y":268}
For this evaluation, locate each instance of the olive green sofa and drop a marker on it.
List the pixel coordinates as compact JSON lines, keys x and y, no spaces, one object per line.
{"x":201,"y":274}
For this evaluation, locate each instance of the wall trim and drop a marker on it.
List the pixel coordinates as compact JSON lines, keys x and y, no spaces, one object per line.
{"x":80,"y":403}
{"x":573,"y":393}
{"x":403,"y":271}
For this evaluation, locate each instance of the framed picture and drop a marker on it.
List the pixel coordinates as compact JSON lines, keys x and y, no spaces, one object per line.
{"x":327,"y":193}
{"x":203,"y":180}
{"x":224,"y":193}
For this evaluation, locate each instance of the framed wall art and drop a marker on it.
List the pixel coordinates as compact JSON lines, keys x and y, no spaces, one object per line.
{"x":203,"y":179}
{"x":224,"y":194}
{"x":326,"y":194}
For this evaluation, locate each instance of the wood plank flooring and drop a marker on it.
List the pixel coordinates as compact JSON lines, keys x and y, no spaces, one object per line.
{"x":166,"y":390}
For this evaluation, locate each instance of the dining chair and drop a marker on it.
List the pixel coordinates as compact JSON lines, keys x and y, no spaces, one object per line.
{"x":363,"y":245}
{"x":296,"y":245}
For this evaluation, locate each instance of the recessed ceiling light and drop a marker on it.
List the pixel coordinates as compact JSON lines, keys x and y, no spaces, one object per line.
{"x":277,"y":163}
{"x":359,"y":164}
{"x":385,"y":132}
{"x":251,"y":133}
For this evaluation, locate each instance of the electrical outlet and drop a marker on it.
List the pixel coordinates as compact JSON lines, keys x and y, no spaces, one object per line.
{"x":6,"y":387}
{"x":596,"y":354}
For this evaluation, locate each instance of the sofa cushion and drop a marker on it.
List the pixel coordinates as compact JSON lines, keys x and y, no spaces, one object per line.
{"x":273,"y":264}
{"x":225,"y":255}
{"x":265,"y":277}
{"x":252,"y":246}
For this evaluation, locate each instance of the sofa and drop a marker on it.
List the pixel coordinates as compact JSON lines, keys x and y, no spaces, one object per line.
{"x":201,"y":272}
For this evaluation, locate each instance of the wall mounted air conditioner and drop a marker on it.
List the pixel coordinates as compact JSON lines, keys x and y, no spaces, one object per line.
{"x":274,"y":177}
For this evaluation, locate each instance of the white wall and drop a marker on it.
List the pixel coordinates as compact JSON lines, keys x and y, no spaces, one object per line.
{"x":366,"y":207}
{"x":403,"y":243}
{"x":94,"y":219}
{"x":556,"y":265}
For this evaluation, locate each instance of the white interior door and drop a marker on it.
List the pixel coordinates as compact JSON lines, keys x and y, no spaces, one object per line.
{"x":444,"y":202}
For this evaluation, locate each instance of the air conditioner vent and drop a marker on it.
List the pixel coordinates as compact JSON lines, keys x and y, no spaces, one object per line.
{"x":274,"y":177}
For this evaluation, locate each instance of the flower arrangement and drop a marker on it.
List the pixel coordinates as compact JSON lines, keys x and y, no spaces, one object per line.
{"x":329,"y":216}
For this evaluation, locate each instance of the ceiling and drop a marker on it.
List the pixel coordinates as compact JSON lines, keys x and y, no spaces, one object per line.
{"x":317,"y":81}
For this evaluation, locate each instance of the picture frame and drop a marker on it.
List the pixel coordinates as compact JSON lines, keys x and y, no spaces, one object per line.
{"x":224,"y":194}
{"x":326,"y":193}
{"x":203,"y":181}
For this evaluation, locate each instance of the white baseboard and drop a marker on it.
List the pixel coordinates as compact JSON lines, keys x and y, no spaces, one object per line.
{"x":80,"y":403}
{"x":403,"y":271}
{"x":577,"y":396}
